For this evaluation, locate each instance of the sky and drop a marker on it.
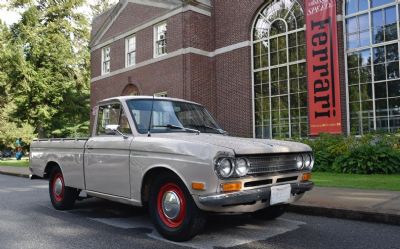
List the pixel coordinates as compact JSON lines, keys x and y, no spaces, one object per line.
{"x":10,"y":17}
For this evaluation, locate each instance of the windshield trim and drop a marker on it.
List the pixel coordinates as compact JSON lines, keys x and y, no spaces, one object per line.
{"x":168,"y":100}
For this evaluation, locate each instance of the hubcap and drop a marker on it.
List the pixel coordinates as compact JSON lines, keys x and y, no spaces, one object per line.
{"x":171,"y":205}
{"x":58,"y":186}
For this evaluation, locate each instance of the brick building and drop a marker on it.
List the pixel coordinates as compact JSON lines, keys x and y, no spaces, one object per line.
{"x":245,"y":60}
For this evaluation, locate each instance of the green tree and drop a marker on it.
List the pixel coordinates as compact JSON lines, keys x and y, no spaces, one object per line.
{"x":99,"y":6}
{"x":49,"y":79}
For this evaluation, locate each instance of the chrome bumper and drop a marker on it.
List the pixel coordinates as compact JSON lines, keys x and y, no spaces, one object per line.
{"x":249,"y":196}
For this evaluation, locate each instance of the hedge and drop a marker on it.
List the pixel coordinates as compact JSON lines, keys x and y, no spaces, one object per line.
{"x":368,"y":154}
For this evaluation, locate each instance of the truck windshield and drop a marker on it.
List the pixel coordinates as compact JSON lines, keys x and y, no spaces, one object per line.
{"x":171,"y":116}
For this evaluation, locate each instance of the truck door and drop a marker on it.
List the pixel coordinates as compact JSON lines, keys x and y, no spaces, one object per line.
{"x":107,"y":154}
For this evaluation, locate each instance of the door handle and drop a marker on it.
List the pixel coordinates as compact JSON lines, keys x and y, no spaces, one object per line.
{"x":89,"y":148}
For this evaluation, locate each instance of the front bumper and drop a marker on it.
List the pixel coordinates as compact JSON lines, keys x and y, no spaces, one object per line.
{"x":250,"y":196}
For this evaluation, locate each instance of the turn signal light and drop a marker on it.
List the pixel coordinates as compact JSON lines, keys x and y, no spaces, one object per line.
{"x":231,"y":186}
{"x":306,"y":176}
{"x":198,"y":186}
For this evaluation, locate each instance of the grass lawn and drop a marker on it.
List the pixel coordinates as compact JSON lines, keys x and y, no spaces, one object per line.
{"x":384,"y":182}
{"x":21,"y":163}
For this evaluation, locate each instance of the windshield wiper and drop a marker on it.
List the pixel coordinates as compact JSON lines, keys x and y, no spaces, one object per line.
{"x":209,"y":127}
{"x":171,"y":126}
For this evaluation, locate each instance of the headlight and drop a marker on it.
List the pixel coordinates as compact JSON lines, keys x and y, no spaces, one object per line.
{"x":312,"y":162}
{"x":307,"y":160}
{"x":299,"y":162}
{"x":242,"y":167}
{"x":224,"y":167}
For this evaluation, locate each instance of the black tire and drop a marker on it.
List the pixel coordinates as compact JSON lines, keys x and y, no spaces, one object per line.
{"x":270,"y":213}
{"x":190,"y":219}
{"x":65,"y":199}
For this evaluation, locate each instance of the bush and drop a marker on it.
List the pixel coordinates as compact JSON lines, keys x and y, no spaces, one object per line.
{"x":368,"y":154}
{"x":369,"y":159}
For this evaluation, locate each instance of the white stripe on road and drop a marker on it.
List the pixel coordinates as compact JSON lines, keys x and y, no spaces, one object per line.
{"x":229,"y":236}
{"x":10,"y":190}
{"x":41,"y":186}
{"x":126,"y":223}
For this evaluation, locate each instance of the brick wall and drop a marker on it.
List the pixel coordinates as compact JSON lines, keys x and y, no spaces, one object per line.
{"x":222,"y":83}
{"x":234,"y":92}
{"x":233,"y":20}
{"x":132,"y":16}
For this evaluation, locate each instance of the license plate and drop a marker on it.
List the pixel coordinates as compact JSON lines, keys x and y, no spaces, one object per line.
{"x":280,"y":194}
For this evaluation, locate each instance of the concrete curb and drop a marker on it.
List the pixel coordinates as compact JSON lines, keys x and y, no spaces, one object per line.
{"x":391,"y":219}
{"x":14,"y":174}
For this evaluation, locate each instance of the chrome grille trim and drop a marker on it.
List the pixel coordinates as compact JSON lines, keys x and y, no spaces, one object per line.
{"x":263,"y":164}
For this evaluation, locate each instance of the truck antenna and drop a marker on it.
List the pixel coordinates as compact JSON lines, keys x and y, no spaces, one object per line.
{"x":151,"y":118}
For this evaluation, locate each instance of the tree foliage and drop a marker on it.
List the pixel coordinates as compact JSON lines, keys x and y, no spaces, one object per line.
{"x":48,"y":75}
{"x":99,"y":6}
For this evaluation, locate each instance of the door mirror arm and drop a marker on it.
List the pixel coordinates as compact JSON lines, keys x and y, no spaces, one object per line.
{"x":114,"y":129}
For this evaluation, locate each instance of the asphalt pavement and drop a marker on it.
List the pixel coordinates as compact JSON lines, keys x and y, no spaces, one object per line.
{"x":27,"y":220}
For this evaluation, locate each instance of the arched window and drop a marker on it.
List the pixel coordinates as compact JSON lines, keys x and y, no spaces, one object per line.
{"x":279,"y":68}
{"x":372,"y":62}
{"x":130,"y":90}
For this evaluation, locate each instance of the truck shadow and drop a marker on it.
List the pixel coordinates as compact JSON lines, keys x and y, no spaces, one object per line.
{"x":104,"y":209}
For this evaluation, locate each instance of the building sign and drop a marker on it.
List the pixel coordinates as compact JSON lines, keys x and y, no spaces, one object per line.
{"x":323,"y":67}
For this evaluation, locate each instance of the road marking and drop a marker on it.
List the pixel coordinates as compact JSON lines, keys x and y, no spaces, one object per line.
{"x":229,"y":235}
{"x":18,"y":189}
{"x":41,"y":186}
{"x":126,"y":223}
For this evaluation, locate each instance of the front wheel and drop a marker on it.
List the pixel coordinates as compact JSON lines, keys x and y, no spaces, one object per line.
{"x":271,"y":212}
{"x":173,"y":211}
{"x":62,"y":197}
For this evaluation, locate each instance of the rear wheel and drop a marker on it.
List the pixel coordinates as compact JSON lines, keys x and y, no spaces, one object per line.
{"x":173,"y":211}
{"x":62,"y":197}
{"x":270,"y":213}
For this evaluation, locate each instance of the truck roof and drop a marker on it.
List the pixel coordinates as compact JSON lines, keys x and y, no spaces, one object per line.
{"x":125,"y":98}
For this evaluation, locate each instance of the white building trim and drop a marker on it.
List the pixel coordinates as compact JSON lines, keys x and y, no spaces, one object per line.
{"x":178,"y":52}
{"x":145,"y":25}
{"x":170,"y":4}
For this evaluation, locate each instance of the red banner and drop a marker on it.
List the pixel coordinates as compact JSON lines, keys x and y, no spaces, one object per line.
{"x":323,"y":67}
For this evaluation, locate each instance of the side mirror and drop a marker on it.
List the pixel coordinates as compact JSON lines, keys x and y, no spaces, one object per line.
{"x":113,"y":130}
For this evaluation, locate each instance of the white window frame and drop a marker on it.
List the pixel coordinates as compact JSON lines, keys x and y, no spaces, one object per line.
{"x":155,"y":39}
{"x":370,"y":47}
{"x":161,"y":94}
{"x":103,"y":61}
{"x":275,"y":4}
{"x":128,"y":52}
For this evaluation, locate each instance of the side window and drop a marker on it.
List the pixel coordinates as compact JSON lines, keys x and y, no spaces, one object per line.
{"x":110,"y":115}
{"x":124,"y":126}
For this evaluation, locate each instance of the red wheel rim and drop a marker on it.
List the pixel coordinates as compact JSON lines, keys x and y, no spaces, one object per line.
{"x":171,"y":188}
{"x":58,"y":187}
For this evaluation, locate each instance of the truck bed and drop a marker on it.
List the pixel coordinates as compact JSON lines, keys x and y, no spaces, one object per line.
{"x":68,"y":152}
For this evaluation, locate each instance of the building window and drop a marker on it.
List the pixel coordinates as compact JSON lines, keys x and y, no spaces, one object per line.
{"x":105,"y":60}
{"x":372,"y":63}
{"x":130,"y":48}
{"x":161,"y":94}
{"x":279,"y":68}
{"x":160,"y":39}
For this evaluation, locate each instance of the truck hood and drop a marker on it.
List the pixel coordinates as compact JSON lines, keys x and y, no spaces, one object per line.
{"x":241,"y":146}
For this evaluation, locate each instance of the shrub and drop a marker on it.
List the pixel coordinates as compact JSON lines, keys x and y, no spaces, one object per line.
{"x":369,"y":159}
{"x":371,"y":153}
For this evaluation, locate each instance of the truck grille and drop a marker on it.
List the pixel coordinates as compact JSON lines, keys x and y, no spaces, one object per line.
{"x":271,"y":164}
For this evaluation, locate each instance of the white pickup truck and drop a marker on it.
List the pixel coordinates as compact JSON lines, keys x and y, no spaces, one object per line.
{"x":170,"y":156}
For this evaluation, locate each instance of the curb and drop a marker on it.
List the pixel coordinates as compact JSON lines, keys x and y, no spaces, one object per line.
{"x":14,"y":174}
{"x":391,"y":219}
